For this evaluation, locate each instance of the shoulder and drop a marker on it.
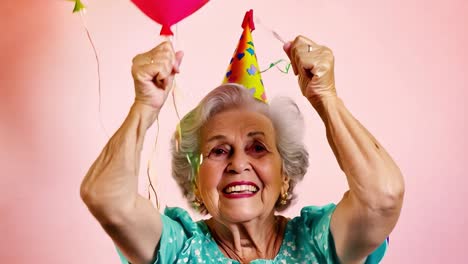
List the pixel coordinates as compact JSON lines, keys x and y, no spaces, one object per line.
{"x":312,"y":219}
{"x":311,"y":231}
{"x":309,"y":234}
{"x":314,"y":215}
{"x":182,"y":239}
{"x":176,"y":217}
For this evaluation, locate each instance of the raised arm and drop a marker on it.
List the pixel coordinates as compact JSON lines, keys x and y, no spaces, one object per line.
{"x":370,"y":209}
{"x":110,"y":188}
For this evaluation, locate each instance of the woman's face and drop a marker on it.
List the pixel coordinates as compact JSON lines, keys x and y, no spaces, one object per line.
{"x":240,"y":178}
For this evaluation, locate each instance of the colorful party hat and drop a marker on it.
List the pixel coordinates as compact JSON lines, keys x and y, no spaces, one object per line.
{"x":243,"y":68}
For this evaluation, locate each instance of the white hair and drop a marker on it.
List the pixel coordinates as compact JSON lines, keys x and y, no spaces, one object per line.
{"x":284,"y":114}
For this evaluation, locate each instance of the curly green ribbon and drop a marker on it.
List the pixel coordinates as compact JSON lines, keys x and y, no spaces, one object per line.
{"x":273,"y":64}
{"x":194,"y":160}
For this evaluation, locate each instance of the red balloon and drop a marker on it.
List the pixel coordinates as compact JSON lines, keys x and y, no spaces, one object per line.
{"x":168,"y":12}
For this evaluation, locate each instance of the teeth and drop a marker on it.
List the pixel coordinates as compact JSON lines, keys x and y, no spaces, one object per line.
{"x":241,"y":188}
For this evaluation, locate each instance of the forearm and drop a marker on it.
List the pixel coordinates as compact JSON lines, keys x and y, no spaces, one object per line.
{"x":111,"y":183}
{"x":373,"y":177}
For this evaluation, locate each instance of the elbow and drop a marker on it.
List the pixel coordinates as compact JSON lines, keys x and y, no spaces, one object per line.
{"x":91,"y":200}
{"x":108,"y":211}
{"x":88,"y":188}
{"x":84,"y":192}
{"x":390,"y":201}
{"x":394,"y":192}
{"x":88,"y":194}
{"x":387,"y":197}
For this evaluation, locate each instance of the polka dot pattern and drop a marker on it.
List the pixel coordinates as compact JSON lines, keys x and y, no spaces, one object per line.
{"x":307,"y":239}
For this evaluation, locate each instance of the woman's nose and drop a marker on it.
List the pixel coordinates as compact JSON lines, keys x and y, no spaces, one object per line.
{"x":238,"y":162}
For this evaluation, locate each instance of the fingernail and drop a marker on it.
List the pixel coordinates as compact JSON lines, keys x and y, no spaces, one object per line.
{"x":287,"y":46}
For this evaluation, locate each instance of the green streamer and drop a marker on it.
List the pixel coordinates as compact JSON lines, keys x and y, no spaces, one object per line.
{"x":194,"y":160}
{"x":78,"y":6}
{"x":283,"y":70}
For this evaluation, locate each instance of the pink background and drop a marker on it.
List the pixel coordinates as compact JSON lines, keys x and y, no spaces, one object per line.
{"x":400,"y":68}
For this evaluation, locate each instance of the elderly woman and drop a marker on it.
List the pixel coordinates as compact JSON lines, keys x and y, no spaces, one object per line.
{"x":238,"y":161}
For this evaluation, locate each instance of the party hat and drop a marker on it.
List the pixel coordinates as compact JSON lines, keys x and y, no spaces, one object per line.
{"x":243,"y":68}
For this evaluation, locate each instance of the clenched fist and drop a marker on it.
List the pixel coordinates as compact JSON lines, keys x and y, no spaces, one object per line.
{"x":153,"y":73}
{"x":314,"y":65}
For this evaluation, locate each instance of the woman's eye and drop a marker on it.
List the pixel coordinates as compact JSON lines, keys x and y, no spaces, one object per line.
{"x":258,"y":148}
{"x":218,"y":152}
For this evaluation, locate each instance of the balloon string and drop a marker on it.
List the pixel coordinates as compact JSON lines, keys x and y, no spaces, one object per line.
{"x":174,"y":93}
{"x":179,"y":130}
{"x":151,"y":187}
{"x":88,"y":34}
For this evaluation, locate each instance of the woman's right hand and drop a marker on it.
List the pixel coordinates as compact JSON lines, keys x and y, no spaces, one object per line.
{"x":153,"y":73}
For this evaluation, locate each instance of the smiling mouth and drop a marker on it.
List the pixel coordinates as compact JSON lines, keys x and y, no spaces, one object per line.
{"x":240,"y":189}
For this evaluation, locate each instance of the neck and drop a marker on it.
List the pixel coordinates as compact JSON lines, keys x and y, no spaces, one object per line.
{"x":255,"y":239}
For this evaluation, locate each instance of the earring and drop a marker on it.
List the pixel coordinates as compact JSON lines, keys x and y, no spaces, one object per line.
{"x":284,"y":198}
{"x":197,"y":203}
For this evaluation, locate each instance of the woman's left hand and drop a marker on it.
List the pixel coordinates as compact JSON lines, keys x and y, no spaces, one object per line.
{"x":314,"y":65}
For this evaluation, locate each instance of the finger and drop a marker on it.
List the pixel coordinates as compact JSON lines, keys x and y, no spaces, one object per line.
{"x":142,"y":59}
{"x":147,"y":58}
{"x":317,"y":62}
{"x":302,"y":40}
{"x":162,"y":76}
{"x":307,"y":60}
{"x":156,"y":72}
{"x":150,"y":70}
{"x":168,"y":56}
{"x":178,"y":60}
{"x":163,"y":51}
{"x":301,"y":45}
{"x":160,"y":52}
{"x":163,"y":46}
{"x":297,"y":53}
{"x":161,"y":81}
{"x":287,"y":47}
